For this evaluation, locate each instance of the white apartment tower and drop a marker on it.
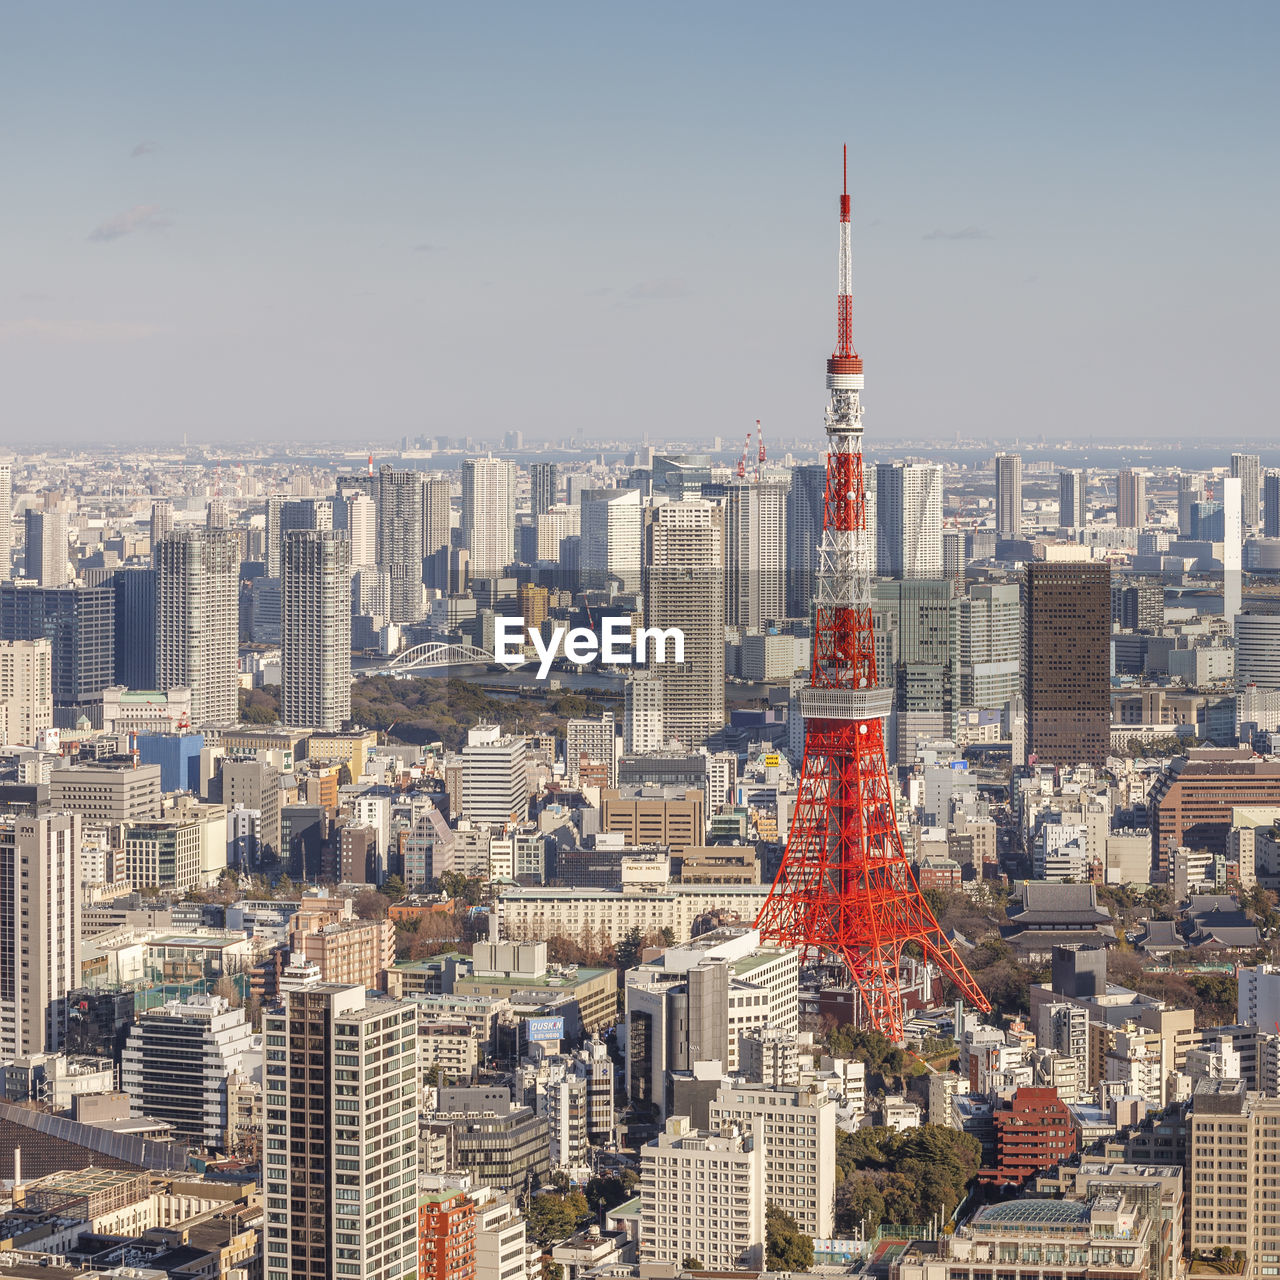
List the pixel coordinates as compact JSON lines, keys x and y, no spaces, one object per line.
{"x":642,"y":711}
{"x":39,"y":947}
{"x":362,"y":531}
{"x":198,"y":620}
{"x":755,"y":538}
{"x":1247,"y":468}
{"x":1008,"y":495}
{"x":909,"y":520}
{"x":489,"y":515}
{"x":702,"y":1196}
{"x":685,"y":590}
{"x":47,"y":558}
{"x":400,"y":527}
{"x":315,"y":630}
{"x":1131,"y":499}
{"x":436,"y":516}
{"x":595,"y":739}
{"x":6,"y":517}
{"x":340,"y":1139}
{"x":26,"y":690}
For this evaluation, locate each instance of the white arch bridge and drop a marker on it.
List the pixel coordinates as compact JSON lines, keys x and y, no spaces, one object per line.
{"x":438,"y":654}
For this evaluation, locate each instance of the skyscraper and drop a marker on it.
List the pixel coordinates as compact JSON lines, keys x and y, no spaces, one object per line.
{"x":755,"y":538}
{"x":340,"y":1140}
{"x":161,"y":519}
{"x":1247,"y":468}
{"x":39,"y":945}
{"x":1008,"y":495}
{"x":198,"y":620}
{"x":1071,"y":487}
{"x":611,"y":538}
{"x":686,"y":590}
{"x":46,"y":548}
{"x":909,"y":520}
{"x":544,"y":482}
{"x":1232,"y":546}
{"x":26,"y":690}
{"x":79,"y":623}
{"x":400,"y":529}
{"x":1131,"y":499}
{"x":357,"y":514}
{"x":642,"y":714}
{"x":1066,"y":662}
{"x":435,"y":527}
{"x":135,"y":627}
{"x":1190,"y":491}
{"x":804,"y":532}
{"x":6,"y":517}
{"x":1271,"y":505}
{"x":990,"y":645}
{"x":489,"y":514}
{"x":315,"y":629}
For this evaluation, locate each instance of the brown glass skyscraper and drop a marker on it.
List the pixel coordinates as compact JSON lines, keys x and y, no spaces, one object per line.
{"x":1066,"y":661}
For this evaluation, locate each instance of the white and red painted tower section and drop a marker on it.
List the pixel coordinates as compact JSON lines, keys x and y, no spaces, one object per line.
{"x":845,"y":887}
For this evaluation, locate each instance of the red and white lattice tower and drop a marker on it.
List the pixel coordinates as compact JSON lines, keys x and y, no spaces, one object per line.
{"x":845,"y":888}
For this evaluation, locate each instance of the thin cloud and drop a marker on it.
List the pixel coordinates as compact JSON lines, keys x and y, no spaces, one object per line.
{"x":76,"y":331}
{"x":143,"y":149}
{"x":964,"y":233}
{"x":142,"y":217}
{"x":652,"y":290}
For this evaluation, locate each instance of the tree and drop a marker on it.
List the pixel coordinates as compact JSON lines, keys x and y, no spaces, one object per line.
{"x":393,"y":887}
{"x":629,"y":949}
{"x":787,"y":1248}
{"x":371,"y":905}
{"x":553,"y":1217}
{"x":693,"y":1264}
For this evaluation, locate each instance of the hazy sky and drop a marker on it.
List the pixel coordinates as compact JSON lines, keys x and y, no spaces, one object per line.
{"x":250,"y":221}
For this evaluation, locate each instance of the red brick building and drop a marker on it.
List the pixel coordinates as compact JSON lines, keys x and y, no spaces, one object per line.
{"x":446,"y":1236}
{"x":1033,"y":1132}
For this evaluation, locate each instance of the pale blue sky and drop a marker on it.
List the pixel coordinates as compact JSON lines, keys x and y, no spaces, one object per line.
{"x":361,"y":221}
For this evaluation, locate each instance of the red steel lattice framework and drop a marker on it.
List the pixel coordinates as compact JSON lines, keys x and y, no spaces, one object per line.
{"x":845,"y":886}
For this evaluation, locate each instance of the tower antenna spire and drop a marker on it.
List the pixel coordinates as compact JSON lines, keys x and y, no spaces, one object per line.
{"x":845,"y":889}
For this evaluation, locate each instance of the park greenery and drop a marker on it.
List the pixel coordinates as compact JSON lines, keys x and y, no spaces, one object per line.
{"x":787,"y":1248}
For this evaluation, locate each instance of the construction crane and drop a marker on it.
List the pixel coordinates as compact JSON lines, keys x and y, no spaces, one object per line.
{"x":742,"y":461}
{"x":760,"y":456}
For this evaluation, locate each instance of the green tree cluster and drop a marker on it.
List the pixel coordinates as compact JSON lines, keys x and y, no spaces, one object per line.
{"x":554,"y":1216}
{"x":787,"y":1248}
{"x":883,"y":1176}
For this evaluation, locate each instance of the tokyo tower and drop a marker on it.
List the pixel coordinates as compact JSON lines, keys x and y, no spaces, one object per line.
{"x":845,"y":887}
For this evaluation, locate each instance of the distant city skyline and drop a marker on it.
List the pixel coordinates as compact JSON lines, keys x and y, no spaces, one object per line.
{"x":250,"y":224}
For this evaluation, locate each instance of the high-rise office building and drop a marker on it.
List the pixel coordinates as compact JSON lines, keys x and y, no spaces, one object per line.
{"x":1008,"y":495}
{"x":47,"y":558}
{"x":400,"y":530}
{"x":804,"y":532}
{"x":489,"y":514}
{"x":1131,"y":499}
{"x":1071,"y":509}
{"x":924,"y":615}
{"x":1247,"y":468}
{"x":1257,"y":650}
{"x":1270,"y":505}
{"x":954,"y":559}
{"x":79,"y":623}
{"x":26,"y":690}
{"x":6,"y":517}
{"x":909,"y":520}
{"x":685,"y":589}
{"x":1232,"y":546}
{"x":135,"y":627}
{"x":340,"y":1140}
{"x":315,"y":630}
{"x":1066,"y":661}
{"x":176,"y":1063}
{"x":495,"y":783}
{"x":611,"y":525}
{"x":215,"y":514}
{"x":198,"y":620}
{"x":1190,"y":492}
{"x":40,"y":941}
{"x":990,"y":645}
{"x":544,"y":482}
{"x":755,"y":540}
